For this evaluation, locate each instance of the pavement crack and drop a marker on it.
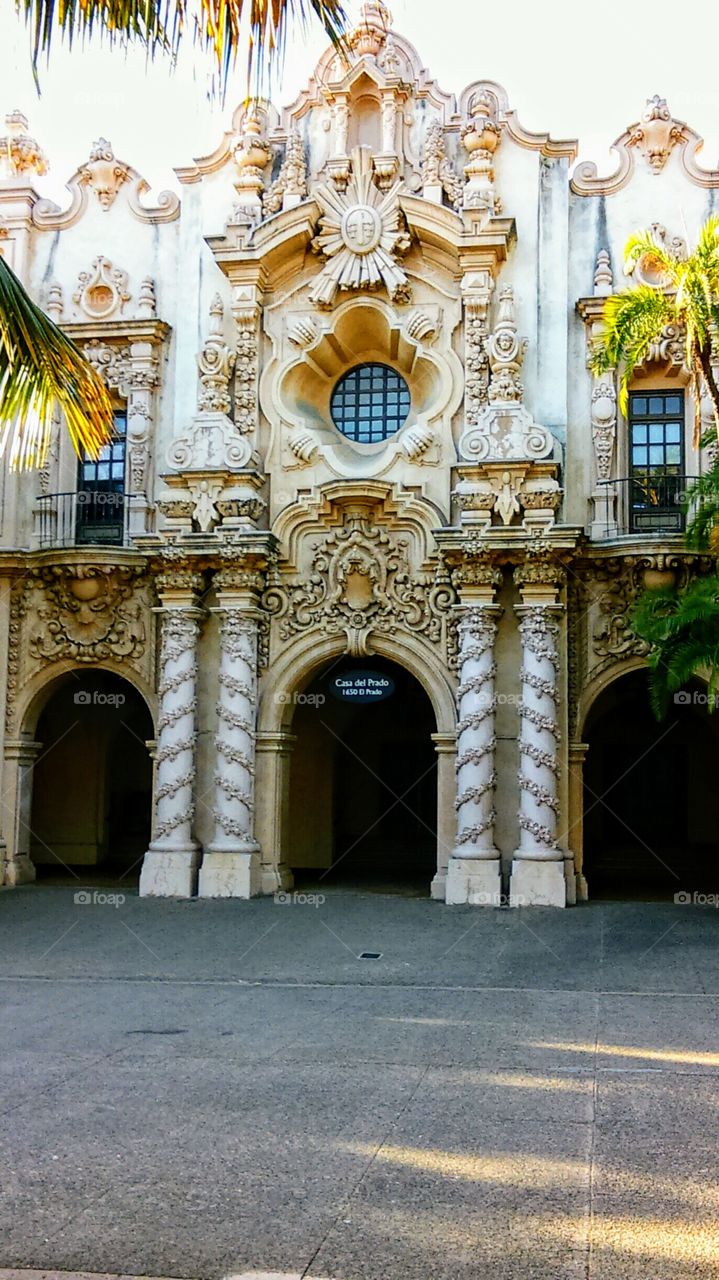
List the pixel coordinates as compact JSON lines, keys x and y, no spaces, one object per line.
{"x":370,"y":1163}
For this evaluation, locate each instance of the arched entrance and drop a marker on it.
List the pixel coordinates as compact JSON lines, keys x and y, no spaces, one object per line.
{"x":363,"y":779}
{"x":92,"y":781}
{"x":651,"y":828}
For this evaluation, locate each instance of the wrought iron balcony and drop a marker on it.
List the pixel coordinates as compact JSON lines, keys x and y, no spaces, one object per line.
{"x":82,"y":518}
{"x":646,"y":504}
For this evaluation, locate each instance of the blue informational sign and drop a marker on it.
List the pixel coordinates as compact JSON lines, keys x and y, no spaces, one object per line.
{"x":361,"y":686}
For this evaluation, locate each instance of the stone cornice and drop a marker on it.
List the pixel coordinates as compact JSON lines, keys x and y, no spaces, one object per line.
{"x":591,"y":309}
{"x":23,"y":561}
{"x":509,"y":545}
{"x":155,"y":331}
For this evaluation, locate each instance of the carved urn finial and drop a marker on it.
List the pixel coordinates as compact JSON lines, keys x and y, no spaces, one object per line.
{"x":370,"y":34}
{"x":19,"y":152}
{"x":481,"y":136}
{"x":252,"y":155}
{"x":603,"y":278}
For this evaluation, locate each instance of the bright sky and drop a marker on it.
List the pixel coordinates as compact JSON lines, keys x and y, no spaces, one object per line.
{"x":582,"y":77}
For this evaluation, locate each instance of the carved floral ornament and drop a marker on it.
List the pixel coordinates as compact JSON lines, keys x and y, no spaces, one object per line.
{"x":361,"y":236}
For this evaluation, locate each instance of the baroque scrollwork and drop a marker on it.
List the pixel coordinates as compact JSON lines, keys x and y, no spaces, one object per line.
{"x":86,"y":613}
{"x":361,"y":581}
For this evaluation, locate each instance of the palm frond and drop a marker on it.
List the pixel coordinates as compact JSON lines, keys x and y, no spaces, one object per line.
{"x":632,"y":322}
{"x":222,"y":28}
{"x":682,"y":628}
{"x":41,"y":371}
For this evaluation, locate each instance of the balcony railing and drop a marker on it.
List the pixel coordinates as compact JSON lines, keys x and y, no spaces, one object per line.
{"x":83,"y":518}
{"x":646,"y":504}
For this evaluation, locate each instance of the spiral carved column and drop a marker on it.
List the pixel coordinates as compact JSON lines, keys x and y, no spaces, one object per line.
{"x":538,"y":867}
{"x":473,"y":874}
{"x":170,"y":864}
{"x":231,"y":865}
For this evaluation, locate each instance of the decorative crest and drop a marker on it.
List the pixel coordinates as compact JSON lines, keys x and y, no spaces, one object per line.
{"x":104,"y":173}
{"x":361,"y":236}
{"x":656,"y":133}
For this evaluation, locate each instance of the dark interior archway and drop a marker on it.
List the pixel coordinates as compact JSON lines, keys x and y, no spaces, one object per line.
{"x":363,"y":782}
{"x":651,"y":824}
{"x":92,"y":784}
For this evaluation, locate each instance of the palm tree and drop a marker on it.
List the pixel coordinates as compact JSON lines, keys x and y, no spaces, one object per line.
{"x":682,"y":628}
{"x":41,"y":370}
{"x":688,"y":297}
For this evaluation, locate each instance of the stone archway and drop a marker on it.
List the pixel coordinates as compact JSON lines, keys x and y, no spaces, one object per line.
{"x":89,"y":788}
{"x":286,"y":683}
{"x":363,"y":779}
{"x":648,"y":829}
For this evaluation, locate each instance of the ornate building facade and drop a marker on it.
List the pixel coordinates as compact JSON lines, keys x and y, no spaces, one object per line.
{"x":357,"y":445}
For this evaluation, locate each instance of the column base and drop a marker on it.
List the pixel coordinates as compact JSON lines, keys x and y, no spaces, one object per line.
{"x":230,"y":873}
{"x":19,"y":870}
{"x":438,"y":887}
{"x":169,"y":873}
{"x":537,"y":884}
{"x":474,"y":881}
{"x":276,"y":879}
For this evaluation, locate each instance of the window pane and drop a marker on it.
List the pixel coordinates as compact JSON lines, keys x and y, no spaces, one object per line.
{"x":656,"y":454}
{"x":656,"y":432}
{"x":639,"y":457}
{"x":673,"y":432}
{"x":674,"y":454}
{"x":673,"y":404}
{"x":370,"y":403}
{"x":639,"y":434}
{"x":639,"y":404}
{"x":656,"y":404}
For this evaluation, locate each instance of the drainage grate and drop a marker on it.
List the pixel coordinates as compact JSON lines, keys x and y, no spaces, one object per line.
{"x":370,"y":955}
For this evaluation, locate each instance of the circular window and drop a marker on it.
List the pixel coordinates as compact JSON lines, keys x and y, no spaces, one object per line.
{"x":370,"y":403}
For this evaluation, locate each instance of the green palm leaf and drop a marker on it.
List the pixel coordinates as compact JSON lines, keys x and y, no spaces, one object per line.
{"x":42,"y":371}
{"x":220,"y":27}
{"x":632,"y":322}
{"x":682,"y":628}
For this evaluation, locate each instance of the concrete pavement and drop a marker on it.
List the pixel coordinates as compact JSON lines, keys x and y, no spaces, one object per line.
{"x":200,"y":1089}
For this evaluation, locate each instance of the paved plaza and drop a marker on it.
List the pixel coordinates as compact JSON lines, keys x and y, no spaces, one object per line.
{"x":200,"y":1089}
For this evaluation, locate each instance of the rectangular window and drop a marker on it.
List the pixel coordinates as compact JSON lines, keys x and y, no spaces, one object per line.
{"x":656,"y":452}
{"x":100,"y":508}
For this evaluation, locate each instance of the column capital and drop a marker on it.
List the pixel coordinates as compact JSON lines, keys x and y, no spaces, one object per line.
{"x":540,"y":578}
{"x":476,"y":577}
{"x":178,"y":588}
